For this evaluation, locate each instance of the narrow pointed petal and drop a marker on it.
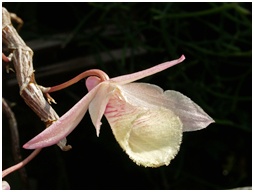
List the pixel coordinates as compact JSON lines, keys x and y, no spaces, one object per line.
{"x":63,"y":126}
{"x":98,"y":104}
{"x":149,"y":134}
{"x":192,"y":116}
{"x":147,"y":72}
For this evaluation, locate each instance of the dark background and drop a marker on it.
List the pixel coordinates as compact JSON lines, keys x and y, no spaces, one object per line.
{"x":216,"y":40}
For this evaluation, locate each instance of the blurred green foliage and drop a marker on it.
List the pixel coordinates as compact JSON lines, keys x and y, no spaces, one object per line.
{"x":216,"y":40}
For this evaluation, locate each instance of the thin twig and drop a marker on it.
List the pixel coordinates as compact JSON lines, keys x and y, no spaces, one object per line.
{"x":22,"y":59}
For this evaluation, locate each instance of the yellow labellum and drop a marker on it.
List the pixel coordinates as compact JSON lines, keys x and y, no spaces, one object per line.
{"x":150,"y":136}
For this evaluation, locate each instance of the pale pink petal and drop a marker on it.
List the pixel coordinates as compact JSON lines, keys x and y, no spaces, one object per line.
{"x":63,"y":126}
{"x":192,"y":116}
{"x":147,"y":72}
{"x":150,"y":135}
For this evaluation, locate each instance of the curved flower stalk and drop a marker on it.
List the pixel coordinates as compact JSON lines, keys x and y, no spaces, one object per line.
{"x":146,"y":121}
{"x":5,"y":184}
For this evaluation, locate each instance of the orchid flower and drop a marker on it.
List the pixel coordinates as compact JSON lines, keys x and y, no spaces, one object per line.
{"x":146,"y":121}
